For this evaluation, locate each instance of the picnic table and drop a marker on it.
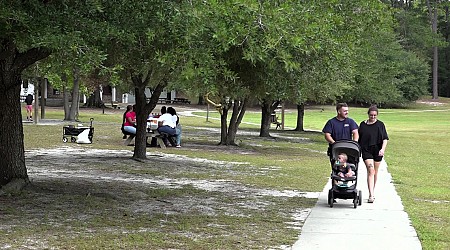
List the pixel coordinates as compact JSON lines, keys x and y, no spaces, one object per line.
{"x":181,"y":100}
{"x":161,"y":100}
{"x":148,"y":134}
{"x":152,"y":125}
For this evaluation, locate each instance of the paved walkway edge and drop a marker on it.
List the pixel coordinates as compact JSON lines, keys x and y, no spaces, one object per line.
{"x":380,"y":225}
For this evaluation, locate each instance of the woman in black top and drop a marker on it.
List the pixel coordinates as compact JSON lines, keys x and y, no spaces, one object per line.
{"x":373,"y":140}
{"x":29,"y":107}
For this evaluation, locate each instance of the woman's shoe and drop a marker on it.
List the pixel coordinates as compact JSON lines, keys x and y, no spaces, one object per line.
{"x":371,"y":200}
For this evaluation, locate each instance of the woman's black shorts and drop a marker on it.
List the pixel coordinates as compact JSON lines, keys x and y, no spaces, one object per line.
{"x":372,"y":153}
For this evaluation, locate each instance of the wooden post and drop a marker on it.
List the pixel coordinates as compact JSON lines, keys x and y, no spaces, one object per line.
{"x":36,"y":102}
{"x":43,"y":87}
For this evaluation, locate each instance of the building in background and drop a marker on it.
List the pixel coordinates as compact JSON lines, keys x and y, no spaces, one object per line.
{"x":108,"y":94}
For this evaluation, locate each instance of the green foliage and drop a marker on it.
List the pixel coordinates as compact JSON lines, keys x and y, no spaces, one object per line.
{"x":69,"y":30}
{"x":274,"y":48}
{"x":378,"y":70}
{"x":143,"y":37}
{"x":415,"y":32}
{"x":416,"y":35}
{"x":48,"y":24}
{"x":386,"y":73}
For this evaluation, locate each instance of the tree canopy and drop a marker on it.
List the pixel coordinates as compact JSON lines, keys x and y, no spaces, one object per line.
{"x":239,"y":51}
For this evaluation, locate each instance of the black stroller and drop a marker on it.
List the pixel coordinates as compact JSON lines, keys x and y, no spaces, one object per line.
{"x":73,"y":132}
{"x":345,"y":187}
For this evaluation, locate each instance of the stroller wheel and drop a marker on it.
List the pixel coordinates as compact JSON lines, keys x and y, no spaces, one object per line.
{"x":73,"y":139}
{"x":360,"y":197}
{"x":64,"y":139}
{"x":355,"y":199}
{"x":330,"y":197}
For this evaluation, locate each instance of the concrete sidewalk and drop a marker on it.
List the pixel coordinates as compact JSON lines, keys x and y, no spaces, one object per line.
{"x":379,"y":225}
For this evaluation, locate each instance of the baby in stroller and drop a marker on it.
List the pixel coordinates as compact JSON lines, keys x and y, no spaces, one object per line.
{"x":344,"y":173}
{"x":343,"y":169}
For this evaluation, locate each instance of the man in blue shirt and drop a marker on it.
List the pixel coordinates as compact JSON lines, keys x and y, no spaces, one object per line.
{"x":340,"y":127}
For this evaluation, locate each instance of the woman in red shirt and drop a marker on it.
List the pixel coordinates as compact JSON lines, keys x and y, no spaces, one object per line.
{"x":130,"y":122}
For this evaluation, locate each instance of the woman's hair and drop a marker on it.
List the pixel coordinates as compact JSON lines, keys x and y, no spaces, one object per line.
{"x":171,"y":111}
{"x":129,"y":107}
{"x":163,"y":110}
{"x":372,"y":108}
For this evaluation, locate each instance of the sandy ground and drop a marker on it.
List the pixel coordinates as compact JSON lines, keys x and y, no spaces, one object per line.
{"x":68,"y":181}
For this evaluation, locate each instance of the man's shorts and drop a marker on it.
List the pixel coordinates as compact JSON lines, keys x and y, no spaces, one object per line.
{"x":372,"y":153}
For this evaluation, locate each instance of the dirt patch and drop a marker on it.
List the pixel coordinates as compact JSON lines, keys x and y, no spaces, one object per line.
{"x":104,"y":166}
{"x":83,"y":191}
{"x":89,"y":198}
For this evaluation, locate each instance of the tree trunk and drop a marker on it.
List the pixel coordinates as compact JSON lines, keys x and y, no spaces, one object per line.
{"x":140,"y":147}
{"x":94,"y":100}
{"x":266,"y":112}
{"x":228,"y":131}
{"x":432,"y":11}
{"x":446,"y":87}
{"x":39,"y":100}
{"x":435,"y":73}
{"x":300,"y":116}
{"x":223,"y":126}
{"x":12,"y":153}
{"x":42,"y":86}
{"x":65,"y":97}
{"x":200,"y":100}
{"x":12,"y":165}
{"x":142,"y":110}
{"x":73,"y":111}
{"x":36,"y":105}
{"x":267,"y":108}
{"x":239,"y":108}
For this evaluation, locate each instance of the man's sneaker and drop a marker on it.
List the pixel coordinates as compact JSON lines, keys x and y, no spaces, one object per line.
{"x":178,"y":146}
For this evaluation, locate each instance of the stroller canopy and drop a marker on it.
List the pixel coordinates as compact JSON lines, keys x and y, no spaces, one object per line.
{"x":351,"y":148}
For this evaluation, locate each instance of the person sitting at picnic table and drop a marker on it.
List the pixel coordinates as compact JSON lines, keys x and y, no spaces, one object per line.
{"x":163,"y":111}
{"x":124,"y":119}
{"x":176,"y":119}
{"x":166,"y":125}
{"x":130,"y":121}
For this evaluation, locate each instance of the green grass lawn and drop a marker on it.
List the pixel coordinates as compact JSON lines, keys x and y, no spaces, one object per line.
{"x":417,"y":157}
{"x":59,"y":211}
